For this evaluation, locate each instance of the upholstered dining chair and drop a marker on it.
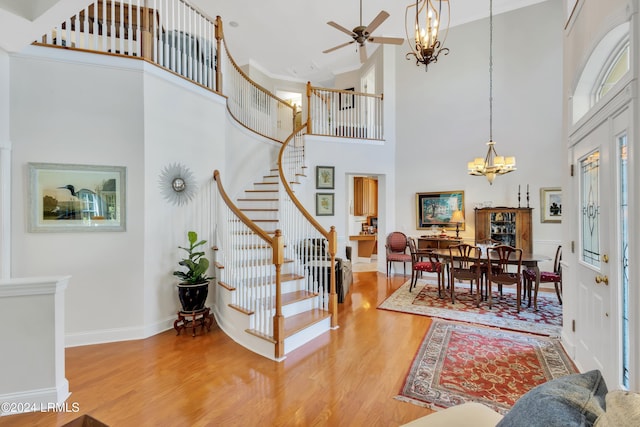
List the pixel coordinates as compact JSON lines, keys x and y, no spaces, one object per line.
{"x":504,"y":268}
{"x":396,"y":247}
{"x":483,"y":244}
{"x":425,"y":261}
{"x":555,"y":277}
{"x":464,"y":264}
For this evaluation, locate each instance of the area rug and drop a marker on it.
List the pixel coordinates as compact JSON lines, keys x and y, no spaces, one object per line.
{"x":424,"y":300}
{"x":458,"y":363}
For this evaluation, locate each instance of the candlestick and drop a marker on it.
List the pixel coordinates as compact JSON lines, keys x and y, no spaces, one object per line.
{"x":527,"y":195}
{"x":518,"y":195}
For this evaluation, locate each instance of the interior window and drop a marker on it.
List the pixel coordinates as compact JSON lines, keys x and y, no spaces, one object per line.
{"x":617,"y":69}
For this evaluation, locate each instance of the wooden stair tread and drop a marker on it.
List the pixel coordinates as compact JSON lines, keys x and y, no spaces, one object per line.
{"x":291,"y":297}
{"x":300,"y":321}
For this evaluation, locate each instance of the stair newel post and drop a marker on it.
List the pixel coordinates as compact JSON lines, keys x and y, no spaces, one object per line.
{"x":333,"y":296}
{"x":309,"y":91}
{"x":278,"y":319}
{"x":218,"y":54}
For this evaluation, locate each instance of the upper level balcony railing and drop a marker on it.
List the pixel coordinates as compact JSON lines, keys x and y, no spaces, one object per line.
{"x":344,"y":113}
{"x":178,"y":37}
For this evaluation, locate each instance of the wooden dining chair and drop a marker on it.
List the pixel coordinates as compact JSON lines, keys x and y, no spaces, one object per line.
{"x":464,"y":264}
{"x":504,"y":268}
{"x":396,"y":248}
{"x":555,"y":277}
{"x":425,"y":261}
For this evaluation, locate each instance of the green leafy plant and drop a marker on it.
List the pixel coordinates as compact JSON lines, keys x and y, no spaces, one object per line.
{"x":197,"y":265}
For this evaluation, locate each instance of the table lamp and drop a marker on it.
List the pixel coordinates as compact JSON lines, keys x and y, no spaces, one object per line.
{"x":458,"y":218}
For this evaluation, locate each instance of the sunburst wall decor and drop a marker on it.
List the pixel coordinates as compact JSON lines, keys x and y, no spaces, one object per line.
{"x":177,"y":184}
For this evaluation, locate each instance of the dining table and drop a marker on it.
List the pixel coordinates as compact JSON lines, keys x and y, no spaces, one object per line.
{"x":529,"y":261}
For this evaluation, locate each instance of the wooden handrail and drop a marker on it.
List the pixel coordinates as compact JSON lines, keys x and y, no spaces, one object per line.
{"x":264,"y":236}
{"x":254,"y":84}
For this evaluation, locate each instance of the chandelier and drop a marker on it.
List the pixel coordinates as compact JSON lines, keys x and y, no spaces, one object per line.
{"x":492,"y":164}
{"x":426,"y":44}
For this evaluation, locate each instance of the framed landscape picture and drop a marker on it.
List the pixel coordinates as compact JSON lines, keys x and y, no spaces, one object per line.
{"x":550,"y":205}
{"x":67,"y":197}
{"x":437,"y":209}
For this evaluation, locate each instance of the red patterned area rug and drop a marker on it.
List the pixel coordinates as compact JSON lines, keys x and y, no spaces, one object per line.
{"x":424,"y":300}
{"x":458,"y":363}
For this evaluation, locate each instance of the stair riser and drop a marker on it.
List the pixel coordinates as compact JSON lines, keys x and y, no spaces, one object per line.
{"x":260,"y":195}
{"x":262,"y":215}
{"x":266,"y":186}
{"x":300,"y":307}
{"x":306,"y":335}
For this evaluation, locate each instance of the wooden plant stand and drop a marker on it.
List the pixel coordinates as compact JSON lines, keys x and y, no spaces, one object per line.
{"x":193,"y":319}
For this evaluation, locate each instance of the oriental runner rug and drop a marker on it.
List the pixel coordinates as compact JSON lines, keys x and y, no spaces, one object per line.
{"x":458,"y":363}
{"x":424,"y":300}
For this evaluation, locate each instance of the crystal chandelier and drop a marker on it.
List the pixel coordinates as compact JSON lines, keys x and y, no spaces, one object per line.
{"x":492,"y":164}
{"x":426,"y":44}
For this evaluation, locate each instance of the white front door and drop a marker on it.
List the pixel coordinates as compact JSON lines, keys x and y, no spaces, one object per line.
{"x":596,"y":162}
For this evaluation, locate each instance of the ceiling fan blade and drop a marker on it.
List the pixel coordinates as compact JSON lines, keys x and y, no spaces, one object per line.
{"x":338,"y":47}
{"x":363,"y":54}
{"x":341,"y":28}
{"x":377,"y":21}
{"x":387,"y":40}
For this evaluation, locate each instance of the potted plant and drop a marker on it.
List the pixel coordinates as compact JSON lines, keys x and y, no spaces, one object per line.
{"x":194,"y":283}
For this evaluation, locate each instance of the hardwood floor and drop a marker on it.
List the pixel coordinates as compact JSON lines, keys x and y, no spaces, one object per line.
{"x":347,"y":377}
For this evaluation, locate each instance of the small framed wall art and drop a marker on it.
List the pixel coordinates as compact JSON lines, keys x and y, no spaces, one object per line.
{"x":324,"y":204}
{"x":550,"y":205}
{"x":325,"y":177}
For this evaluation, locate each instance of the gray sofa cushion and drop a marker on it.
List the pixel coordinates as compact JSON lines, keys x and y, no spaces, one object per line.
{"x":573,"y":400}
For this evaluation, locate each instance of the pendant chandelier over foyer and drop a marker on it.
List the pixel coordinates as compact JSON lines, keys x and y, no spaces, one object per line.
{"x":492,"y":164}
{"x":427,"y":41}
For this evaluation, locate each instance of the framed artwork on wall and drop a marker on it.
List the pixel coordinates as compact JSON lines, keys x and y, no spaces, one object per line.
{"x":324,"y":204}
{"x":550,"y":205}
{"x":71,"y":198}
{"x":325,"y":177}
{"x":437,"y":209}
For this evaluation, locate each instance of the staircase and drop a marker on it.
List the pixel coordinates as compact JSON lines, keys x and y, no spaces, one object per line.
{"x":304,"y":316}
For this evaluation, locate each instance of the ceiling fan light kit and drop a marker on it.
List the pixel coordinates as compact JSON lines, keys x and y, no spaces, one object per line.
{"x":362,"y":34}
{"x":428,"y":39}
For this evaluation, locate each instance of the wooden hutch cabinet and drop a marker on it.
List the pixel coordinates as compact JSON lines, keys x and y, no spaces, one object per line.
{"x":511,"y":226}
{"x":365,"y":192}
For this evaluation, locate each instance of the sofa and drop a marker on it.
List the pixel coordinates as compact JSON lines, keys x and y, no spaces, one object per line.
{"x":580,"y":400}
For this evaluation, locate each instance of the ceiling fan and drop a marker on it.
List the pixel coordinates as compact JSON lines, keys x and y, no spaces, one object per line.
{"x":362,"y":34}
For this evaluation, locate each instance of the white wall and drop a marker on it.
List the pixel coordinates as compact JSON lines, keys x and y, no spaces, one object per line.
{"x":70,"y":107}
{"x":443,"y":117}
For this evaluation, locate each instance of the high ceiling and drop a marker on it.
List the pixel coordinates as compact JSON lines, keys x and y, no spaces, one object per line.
{"x":283,"y":38}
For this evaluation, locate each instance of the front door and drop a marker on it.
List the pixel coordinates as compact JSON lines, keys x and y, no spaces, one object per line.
{"x":598,"y":285}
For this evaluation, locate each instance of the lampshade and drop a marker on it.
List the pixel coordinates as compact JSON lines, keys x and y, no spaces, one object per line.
{"x":457,"y":217}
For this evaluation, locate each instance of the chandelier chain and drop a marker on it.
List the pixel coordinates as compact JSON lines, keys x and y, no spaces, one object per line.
{"x":490,"y":70}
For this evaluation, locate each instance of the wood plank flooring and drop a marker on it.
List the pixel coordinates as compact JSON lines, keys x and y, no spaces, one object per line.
{"x":347,"y":377}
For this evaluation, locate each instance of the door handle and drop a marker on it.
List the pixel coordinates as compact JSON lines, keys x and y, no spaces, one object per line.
{"x":605,"y":258}
{"x":602,"y":279}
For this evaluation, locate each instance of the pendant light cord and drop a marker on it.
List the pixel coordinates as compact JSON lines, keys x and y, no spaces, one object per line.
{"x":490,"y":70}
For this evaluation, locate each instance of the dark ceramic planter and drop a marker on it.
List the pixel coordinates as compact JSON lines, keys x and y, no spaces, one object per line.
{"x":193,"y":297}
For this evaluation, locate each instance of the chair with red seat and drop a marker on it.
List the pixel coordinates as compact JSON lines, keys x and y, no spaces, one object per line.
{"x":396,"y":247}
{"x":425,"y":261}
{"x":555,"y":277}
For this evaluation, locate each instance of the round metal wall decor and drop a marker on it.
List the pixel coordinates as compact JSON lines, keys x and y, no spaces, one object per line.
{"x":177,"y":184}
